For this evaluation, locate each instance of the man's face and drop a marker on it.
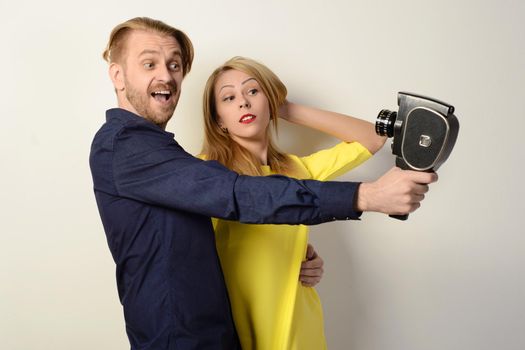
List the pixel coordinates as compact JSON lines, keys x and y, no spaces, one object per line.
{"x":151,"y":75}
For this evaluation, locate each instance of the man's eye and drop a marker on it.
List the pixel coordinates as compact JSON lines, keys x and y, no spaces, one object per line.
{"x":174,"y":66}
{"x":148,"y":65}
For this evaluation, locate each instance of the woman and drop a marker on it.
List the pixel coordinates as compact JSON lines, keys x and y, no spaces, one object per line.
{"x":261,"y":263}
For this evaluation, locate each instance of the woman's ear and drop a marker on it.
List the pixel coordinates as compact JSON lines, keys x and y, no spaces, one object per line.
{"x":221,"y":125}
{"x":219,"y":122}
{"x":116,"y":74}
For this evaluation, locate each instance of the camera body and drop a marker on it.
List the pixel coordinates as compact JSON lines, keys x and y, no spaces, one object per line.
{"x":424,"y":131}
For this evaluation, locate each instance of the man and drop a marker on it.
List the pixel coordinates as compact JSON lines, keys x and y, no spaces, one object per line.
{"x":155,"y":200}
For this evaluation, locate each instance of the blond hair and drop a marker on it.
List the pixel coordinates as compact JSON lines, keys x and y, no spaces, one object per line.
{"x":218,"y":145}
{"x":115,"y":48}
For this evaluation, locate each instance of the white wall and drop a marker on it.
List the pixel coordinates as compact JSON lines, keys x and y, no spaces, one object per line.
{"x":451,"y":277}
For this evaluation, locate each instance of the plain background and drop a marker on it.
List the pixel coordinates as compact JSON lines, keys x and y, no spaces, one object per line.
{"x":451,"y":277}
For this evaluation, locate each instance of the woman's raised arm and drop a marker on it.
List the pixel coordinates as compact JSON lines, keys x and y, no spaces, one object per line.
{"x":344,"y":127}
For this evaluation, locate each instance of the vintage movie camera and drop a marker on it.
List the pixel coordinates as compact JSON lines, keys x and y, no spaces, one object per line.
{"x":424,"y":131}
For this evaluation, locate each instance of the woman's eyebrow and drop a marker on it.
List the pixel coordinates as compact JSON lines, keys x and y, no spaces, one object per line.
{"x":247,"y":80}
{"x":231,"y":85}
{"x":227,"y":85}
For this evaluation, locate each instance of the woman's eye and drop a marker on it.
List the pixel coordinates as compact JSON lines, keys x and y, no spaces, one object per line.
{"x":252,"y":92}
{"x":227,"y":98}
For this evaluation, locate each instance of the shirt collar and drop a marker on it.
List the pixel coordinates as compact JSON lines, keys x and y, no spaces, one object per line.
{"x":123,"y":115}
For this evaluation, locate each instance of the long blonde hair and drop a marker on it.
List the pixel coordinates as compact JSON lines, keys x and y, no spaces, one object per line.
{"x":218,"y":145}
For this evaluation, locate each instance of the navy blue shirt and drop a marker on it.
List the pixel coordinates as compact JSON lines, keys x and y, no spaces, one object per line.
{"x":155,"y":201}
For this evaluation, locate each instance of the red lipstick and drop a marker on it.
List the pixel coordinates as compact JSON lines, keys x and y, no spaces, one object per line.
{"x":247,"y":118}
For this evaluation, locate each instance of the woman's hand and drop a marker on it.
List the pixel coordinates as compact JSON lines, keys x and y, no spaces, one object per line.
{"x":311,"y":269}
{"x":284,"y":110}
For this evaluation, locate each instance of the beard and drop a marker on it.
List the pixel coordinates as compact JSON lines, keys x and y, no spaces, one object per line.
{"x":157,"y":114}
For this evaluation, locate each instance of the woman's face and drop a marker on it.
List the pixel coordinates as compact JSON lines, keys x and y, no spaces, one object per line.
{"x":242,"y":107}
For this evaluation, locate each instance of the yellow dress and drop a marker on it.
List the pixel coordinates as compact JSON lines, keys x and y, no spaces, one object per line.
{"x":261,"y":265}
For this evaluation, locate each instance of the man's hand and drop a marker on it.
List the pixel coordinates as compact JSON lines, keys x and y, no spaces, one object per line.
{"x":312,"y":268}
{"x":397,"y":192}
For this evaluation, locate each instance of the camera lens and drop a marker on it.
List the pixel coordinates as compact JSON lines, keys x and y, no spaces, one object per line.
{"x":385,"y":123}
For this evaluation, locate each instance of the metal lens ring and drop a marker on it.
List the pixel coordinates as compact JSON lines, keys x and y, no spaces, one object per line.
{"x":385,"y":123}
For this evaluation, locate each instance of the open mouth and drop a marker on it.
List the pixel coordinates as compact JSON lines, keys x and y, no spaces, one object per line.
{"x":247,"y":118}
{"x":161,"y":95}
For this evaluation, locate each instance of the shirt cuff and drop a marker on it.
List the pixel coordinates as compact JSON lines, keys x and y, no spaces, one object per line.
{"x":338,"y":200}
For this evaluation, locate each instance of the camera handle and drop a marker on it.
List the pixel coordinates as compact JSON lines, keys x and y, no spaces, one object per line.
{"x":399,"y":217}
{"x":400,"y":163}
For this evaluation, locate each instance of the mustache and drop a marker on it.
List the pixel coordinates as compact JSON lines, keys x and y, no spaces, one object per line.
{"x":170,"y":86}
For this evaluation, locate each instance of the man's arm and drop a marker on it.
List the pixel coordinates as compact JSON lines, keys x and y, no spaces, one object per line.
{"x":149,"y":166}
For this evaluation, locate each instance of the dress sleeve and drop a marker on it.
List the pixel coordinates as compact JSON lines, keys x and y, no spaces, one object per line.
{"x":330,"y":163}
{"x":151,"y":167}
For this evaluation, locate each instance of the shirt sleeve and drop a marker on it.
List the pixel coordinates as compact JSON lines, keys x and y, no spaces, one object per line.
{"x":149,"y":166}
{"x":333,"y":162}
